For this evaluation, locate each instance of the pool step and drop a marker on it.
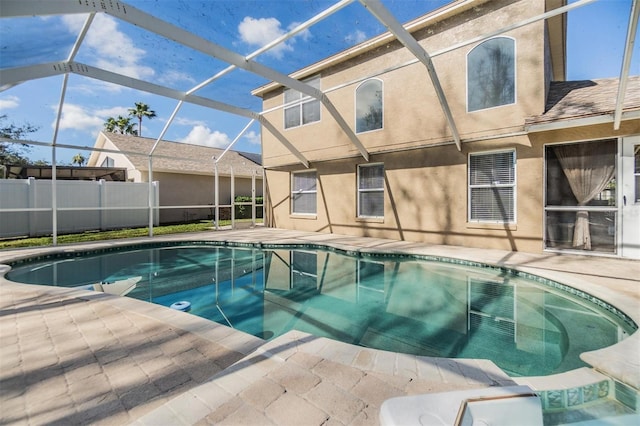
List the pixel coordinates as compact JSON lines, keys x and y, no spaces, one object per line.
{"x":578,"y":387}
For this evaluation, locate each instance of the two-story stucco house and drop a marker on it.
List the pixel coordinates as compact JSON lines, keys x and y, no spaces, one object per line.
{"x":499,"y":151}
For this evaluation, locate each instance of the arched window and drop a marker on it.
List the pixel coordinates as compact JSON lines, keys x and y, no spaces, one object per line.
{"x":369,"y":106}
{"x":491,"y":74}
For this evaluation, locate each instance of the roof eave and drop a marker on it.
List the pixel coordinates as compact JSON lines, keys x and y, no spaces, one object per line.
{"x":580,"y":121}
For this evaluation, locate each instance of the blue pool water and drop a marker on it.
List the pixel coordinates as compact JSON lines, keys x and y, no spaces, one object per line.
{"x":400,"y":304}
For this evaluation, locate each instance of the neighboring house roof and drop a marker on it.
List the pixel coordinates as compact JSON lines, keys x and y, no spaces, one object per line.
{"x":178,"y":157}
{"x":111,"y":174}
{"x":570,"y":100}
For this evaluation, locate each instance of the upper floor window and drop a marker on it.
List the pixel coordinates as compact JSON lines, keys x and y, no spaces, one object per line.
{"x":107,"y":162}
{"x":491,"y":74}
{"x":492,"y":187}
{"x":369,"y":106}
{"x":301,"y":109}
{"x":303,"y":192}
{"x":371,"y":190}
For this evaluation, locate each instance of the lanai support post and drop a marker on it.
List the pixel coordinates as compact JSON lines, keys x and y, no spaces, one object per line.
{"x":216,"y":197}
{"x":626,"y":63}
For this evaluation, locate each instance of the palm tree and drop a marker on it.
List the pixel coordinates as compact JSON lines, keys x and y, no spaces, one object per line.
{"x":125,"y":126}
{"x":141,"y":110}
{"x":110,"y":125}
{"x":122,"y":125}
{"x":78,"y":159}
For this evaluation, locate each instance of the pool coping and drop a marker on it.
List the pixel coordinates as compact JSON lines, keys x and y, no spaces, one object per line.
{"x":615,"y":281}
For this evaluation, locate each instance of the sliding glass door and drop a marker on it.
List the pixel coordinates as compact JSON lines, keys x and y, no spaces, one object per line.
{"x":581,"y":210}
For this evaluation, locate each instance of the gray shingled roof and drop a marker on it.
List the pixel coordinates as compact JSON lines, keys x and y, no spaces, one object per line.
{"x":580,"y":99}
{"x":177,"y":157}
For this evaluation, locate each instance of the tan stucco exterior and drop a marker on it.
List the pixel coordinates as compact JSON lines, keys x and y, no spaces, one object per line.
{"x":425,"y":175}
{"x":413,"y":116}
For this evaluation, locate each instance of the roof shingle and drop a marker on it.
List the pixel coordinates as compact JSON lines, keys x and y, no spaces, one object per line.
{"x":586,"y":98}
{"x":177,"y":157}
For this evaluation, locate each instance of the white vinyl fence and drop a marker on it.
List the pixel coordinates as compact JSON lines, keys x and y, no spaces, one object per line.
{"x":26,"y":206}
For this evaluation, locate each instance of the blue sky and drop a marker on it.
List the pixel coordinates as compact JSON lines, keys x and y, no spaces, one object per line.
{"x":595,"y":44}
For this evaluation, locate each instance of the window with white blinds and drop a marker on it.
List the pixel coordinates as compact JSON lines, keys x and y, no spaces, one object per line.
{"x":492,"y":187}
{"x":303,"y":192}
{"x":371,"y":190}
{"x":304,"y":109}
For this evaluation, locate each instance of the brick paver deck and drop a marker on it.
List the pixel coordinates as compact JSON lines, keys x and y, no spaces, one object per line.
{"x":78,"y":357}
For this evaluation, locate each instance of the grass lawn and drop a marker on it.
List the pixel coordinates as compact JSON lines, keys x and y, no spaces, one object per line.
{"x":111,"y":235}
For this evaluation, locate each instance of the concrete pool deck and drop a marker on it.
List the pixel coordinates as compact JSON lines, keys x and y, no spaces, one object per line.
{"x":75,"y":357}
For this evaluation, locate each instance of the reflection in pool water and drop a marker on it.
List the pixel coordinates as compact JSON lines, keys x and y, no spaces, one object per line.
{"x":393,"y":303}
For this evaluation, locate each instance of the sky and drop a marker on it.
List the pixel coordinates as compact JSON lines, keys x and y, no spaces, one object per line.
{"x":596,"y":40}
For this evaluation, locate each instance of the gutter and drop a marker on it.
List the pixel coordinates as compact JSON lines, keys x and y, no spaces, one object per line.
{"x":581,"y":122}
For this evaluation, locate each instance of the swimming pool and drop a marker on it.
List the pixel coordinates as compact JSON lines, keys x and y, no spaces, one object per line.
{"x":434,"y":307}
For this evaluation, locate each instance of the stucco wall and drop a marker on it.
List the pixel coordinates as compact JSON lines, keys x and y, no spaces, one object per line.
{"x":425,"y":198}
{"x":426,"y":185}
{"x":412,"y":113}
{"x":182,"y":189}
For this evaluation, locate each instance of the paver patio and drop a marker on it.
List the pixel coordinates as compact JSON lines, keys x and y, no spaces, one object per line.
{"x":77,"y":357}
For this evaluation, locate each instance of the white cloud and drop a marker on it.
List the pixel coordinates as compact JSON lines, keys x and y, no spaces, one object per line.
{"x":171,"y":77}
{"x":114,"y":50}
{"x":260,"y":31}
{"x":252,"y":137}
{"x":9,"y":102}
{"x":112,"y":112}
{"x":77,"y":117}
{"x":202,"y":135}
{"x":183,"y":121}
{"x":356,"y":37}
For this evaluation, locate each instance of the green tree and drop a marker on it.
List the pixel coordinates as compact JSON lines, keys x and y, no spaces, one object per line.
{"x":141,"y":110}
{"x":110,"y":125}
{"x":12,"y":153}
{"x":78,"y":159}
{"x":126,"y":127}
{"x":122,"y":125}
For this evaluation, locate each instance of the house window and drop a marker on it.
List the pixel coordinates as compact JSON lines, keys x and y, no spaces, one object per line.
{"x":371,"y":190}
{"x":492,"y":187}
{"x":303,"y":192}
{"x":491,"y":74}
{"x":580,"y":196}
{"x":107,"y":162}
{"x":369,"y":106}
{"x":301,"y":109}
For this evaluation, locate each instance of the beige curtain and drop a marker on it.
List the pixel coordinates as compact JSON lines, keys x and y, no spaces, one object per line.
{"x":589,"y":167}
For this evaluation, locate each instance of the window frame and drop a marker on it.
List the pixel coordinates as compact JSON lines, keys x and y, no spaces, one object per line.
{"x":298,"y":103}
{"x":554,"y":243}
{"x":515,"y":74}
{"x":108,"y":162}
{"x":359,"y":191}
{"x":355,"y":111}
{"x":513,"y":185}
{"x":293,"y":192}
